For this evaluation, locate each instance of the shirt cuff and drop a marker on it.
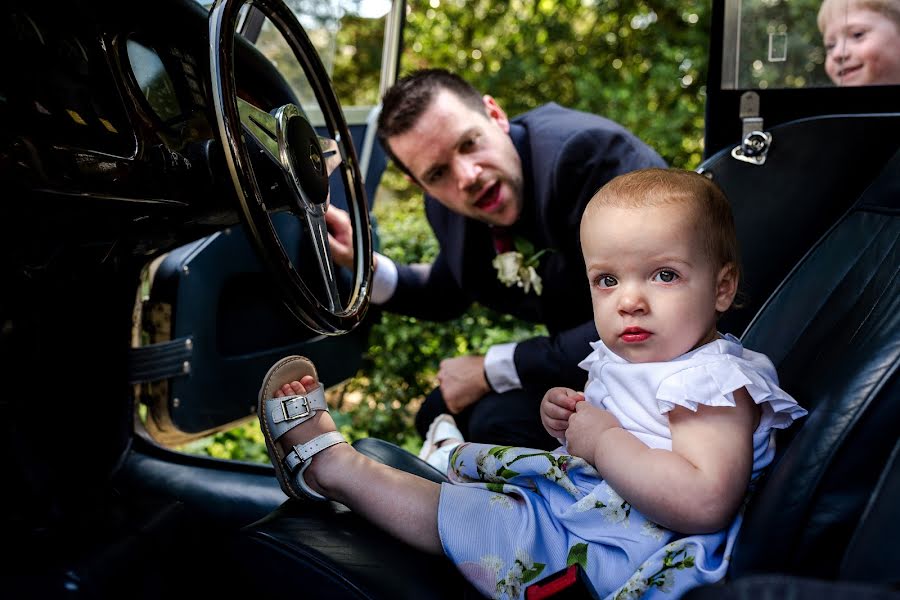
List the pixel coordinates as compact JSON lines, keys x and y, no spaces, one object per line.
{"x":384,"y":281}
{"x":500,"y":369}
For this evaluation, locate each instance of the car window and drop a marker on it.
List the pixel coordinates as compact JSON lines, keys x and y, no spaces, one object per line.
{"x":772,"y":44}
{"x":349,"y":38}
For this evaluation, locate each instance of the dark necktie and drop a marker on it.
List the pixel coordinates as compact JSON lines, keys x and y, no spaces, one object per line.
{"x":503,"y":241}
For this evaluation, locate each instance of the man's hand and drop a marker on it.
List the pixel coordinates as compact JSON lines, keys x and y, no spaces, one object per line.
{"x":586,"y":426}
{"x":462,"y":381}
{"x":340,"y":236}
{"x":556,"y":408}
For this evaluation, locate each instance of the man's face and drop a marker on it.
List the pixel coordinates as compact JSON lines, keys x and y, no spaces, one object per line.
{"x":465,"y":159}
{"x":862,"y":47}
{"x":654,"y":290}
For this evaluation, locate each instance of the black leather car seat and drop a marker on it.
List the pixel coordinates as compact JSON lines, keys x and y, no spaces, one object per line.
{"x":815,"y":170}
{"x":828,"y":507}
{"x":832,"y":328}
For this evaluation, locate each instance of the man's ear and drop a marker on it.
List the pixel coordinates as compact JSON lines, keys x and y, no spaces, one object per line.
{"x":497,"y":114}
{"x":726,"y":287}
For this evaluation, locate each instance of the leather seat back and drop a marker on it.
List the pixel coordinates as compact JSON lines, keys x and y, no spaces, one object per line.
{"x":832,"y":329}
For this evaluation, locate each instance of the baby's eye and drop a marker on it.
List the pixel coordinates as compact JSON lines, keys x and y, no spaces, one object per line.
{"x":607,"y":281}
{"x":858,"y":35}
{"x":665,"y":276}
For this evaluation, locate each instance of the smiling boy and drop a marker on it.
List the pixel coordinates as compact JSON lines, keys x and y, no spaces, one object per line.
{"x":862,"y":41}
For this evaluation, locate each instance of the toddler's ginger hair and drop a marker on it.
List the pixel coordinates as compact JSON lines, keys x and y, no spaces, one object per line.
{"x":830,"y":8}
{"x":652,"y":187}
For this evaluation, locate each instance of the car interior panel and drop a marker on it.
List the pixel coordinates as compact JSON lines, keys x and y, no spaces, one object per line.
{"x":142,"y":305}
{"x":781,"y":208}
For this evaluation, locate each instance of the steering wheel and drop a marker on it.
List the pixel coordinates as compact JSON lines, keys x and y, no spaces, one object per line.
{"x":280,"y":152}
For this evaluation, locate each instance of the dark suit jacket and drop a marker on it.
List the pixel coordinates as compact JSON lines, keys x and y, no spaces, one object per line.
{"x":566,"y":156}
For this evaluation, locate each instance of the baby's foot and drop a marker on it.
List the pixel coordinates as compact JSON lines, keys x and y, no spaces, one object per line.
{"x":320,"y":423}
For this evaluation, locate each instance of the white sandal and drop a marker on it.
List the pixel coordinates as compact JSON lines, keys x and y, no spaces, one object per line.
{"x":443,"y":429}
{"x":277,"y":416}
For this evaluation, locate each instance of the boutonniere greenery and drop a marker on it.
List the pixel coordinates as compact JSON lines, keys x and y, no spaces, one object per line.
{"x":517,"y":267}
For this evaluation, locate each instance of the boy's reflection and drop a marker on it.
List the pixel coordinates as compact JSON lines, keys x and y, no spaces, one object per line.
{"x":862,"y":41}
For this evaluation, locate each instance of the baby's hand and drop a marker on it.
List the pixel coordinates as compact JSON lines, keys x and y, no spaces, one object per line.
{"x":556,"y":408}
{"x":585,"y":428}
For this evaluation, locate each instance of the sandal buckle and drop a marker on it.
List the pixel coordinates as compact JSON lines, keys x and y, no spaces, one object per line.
{"x":304,"y":402}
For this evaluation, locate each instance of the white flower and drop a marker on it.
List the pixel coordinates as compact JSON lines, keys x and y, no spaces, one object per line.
{"x":492,"y":562}
{"x":616,"y":509}
{"x":553,"y":473}
{"x":634,"y":588}
{"x":587,"y":503}
{"x":523,"y":557}
{"x":667,"y":582}
{"x":517,"y":267}
{"x":651,"y":529}
{"x":508,"y":265}
{"x":529,"y":278}
{"x":487,"y":466}
{"x":501,"y":500}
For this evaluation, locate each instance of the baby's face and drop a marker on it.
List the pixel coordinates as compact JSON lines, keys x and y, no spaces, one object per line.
{"x":654,"y":289}
{"x":862,"y":47}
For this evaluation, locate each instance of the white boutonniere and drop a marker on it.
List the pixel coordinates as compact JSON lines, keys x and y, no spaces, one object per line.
{"x":517,"y":267}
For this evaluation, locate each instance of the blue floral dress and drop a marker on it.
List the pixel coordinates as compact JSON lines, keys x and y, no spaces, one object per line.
{"x":511,"y":516}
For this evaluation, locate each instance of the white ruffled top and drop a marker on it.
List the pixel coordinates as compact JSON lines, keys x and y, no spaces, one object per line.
{"x":640,"y":394}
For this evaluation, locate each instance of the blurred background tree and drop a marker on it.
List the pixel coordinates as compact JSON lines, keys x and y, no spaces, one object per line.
{"x":642,"y":64}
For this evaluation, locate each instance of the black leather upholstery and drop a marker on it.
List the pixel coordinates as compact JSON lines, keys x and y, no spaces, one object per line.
{"x":833,"y":331}
{"x":815,"y":171}
{"x":783,"y":587}
{"x":326,"y":551}
{"x":397,"y":457}
{"x":867,"y":557}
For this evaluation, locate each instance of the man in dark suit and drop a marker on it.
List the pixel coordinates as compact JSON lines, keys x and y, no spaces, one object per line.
{"x":492,"y":183}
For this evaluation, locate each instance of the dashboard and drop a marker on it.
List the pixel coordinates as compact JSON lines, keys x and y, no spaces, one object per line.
{"x":57,"y":85}
{"x":111,"y":100}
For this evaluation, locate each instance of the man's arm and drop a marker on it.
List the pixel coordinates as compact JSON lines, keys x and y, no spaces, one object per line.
{"x":551,"y":361}
{"x":427,"y":292}
{"x":543,"y":362}
{"x":420,"y":290}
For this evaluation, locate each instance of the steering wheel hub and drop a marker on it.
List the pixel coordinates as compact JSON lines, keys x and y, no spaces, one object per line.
{"x":301,"y":154}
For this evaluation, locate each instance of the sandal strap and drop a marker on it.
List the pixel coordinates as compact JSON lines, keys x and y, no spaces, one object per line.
{"x":302,"y":453}
{"x":287,"y":412}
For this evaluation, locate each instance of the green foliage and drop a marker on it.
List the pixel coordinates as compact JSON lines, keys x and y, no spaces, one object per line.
{"x":241,"y":443}
{"x":357,"y":66}
{"x":639,"y":63}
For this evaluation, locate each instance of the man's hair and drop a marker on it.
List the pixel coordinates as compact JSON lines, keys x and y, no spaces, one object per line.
{"x":830,"y":8}
{"x":405,"y":102}
{"x":653,"y":187}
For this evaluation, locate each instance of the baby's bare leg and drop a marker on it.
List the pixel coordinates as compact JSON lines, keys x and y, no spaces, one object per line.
{"x":402,"y":504}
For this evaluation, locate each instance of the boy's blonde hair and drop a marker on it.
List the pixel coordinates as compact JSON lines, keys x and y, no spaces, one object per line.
{"x":830,"y":8}
{"x":652,"y":187}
